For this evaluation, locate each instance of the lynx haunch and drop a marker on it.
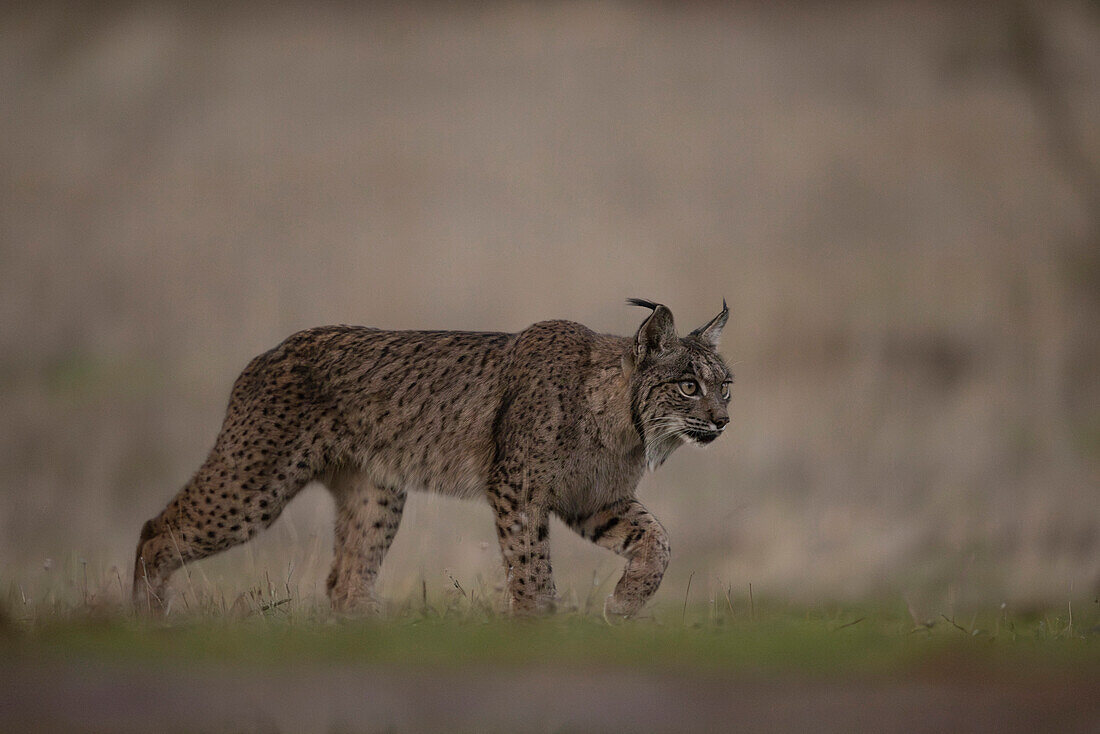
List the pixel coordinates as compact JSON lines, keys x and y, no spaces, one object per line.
{"x":553,"y":419}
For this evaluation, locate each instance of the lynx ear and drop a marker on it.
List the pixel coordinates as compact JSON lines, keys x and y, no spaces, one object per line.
{"x":712,"y":331}
{"x":656,"y":334}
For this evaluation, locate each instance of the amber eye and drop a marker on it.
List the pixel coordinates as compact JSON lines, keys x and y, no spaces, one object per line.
{"x":689,"y":387}
{"x":725,"y":391}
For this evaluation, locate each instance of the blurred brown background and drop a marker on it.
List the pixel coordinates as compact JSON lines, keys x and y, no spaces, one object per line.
{"x":900,"y":202}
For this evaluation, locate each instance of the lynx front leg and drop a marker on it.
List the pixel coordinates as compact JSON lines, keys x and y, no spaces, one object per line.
{"x":627,"y":528}
{"x":523,"y":530}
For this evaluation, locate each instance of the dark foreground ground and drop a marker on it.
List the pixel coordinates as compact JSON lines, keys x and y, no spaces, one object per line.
{"x":140,"y":698}
{"x":446,"y":668}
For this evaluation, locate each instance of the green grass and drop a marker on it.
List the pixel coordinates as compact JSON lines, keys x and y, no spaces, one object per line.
{"x":76,"y":613}
{"x":775,"y":640}
{"x":273,"y":660}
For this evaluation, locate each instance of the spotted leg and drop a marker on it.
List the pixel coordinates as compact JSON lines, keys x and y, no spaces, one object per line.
{"x":523,"y":531}
{"x":223,"y":505}
{"x":627,"y":528}
{"x":367,"y":518}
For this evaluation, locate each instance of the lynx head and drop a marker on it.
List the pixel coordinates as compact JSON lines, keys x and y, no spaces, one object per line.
{"x":680,"y":387}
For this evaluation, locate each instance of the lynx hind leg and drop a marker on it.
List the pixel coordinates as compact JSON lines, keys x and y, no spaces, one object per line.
{"x":150,"y":577}
{"x":219,"y":508}
{"x":628,"y":529}
{"x":367,"y":518}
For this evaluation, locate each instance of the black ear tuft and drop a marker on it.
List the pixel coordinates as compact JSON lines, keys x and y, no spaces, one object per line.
{"x":643,"y":303}
{"x":712,"y":330}
{"x":656,"y":334}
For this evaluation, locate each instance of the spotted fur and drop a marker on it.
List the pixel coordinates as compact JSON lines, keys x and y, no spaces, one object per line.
{"x":554,"y":419}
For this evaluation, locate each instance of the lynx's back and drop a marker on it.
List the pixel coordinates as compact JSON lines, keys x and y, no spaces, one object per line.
{"x":409,"y":408}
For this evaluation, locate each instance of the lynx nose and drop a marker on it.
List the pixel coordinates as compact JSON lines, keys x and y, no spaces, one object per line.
{"x":720,"y":421}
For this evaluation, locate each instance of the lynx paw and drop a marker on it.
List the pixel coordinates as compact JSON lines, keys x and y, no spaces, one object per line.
{"x":616,"y":608}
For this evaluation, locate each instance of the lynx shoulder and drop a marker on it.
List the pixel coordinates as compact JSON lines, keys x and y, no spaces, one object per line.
{"x":555,"y":419}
